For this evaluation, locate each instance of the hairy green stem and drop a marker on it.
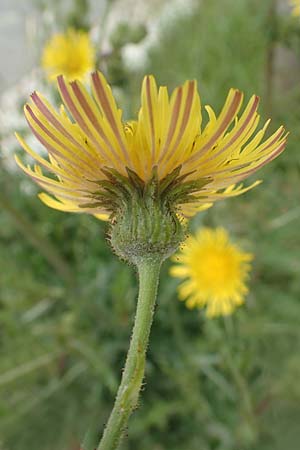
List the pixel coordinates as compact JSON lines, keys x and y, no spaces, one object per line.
{"x":133,"y":374}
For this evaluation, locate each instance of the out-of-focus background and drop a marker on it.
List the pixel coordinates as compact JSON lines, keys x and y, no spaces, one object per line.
{"x":67,"y":303}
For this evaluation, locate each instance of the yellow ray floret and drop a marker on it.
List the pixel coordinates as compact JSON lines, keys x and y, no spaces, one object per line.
{"x":71,"y":54}
{"x":295,"y":4}
{"x":88,"y":135}
{"x":215,"y":272}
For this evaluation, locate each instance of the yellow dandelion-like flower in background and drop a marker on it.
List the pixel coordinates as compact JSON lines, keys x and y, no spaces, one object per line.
{"x":71,"y":54}
{"x":166,"y":138}
{"x":295,"y":4}
{"x":215,"y":270}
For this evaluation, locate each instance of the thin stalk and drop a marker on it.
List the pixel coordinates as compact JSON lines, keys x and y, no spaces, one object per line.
{"x":270,"y":58}
{"x":41,"y":243}
{"x":133,"y":374}
{"x":237,"y":376}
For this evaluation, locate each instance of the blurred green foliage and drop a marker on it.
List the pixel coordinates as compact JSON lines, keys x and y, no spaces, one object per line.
{"x":67,"y":14}
{"x":66,"y":319}
{"x":122,"y":35}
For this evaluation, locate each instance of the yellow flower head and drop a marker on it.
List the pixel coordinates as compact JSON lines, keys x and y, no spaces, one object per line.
{"x":295,"y":4}
{"x":215,"y":271}
{"x":71,"y":54}
{"x":90,"y":144}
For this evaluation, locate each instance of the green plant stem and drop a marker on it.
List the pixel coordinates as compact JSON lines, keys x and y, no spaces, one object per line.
{"x":132,"y":378}
{"x":237,"y":376}
{"x":41,"y":243}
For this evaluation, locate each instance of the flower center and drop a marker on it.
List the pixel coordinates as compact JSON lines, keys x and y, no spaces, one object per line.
{"x":215,"y":270}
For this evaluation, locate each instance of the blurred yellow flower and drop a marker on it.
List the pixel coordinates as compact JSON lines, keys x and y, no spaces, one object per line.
{"x":167,"y":139}
{"x":71,"y":54}
{"x":215,"y":270}
{"x":295,"y":4}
